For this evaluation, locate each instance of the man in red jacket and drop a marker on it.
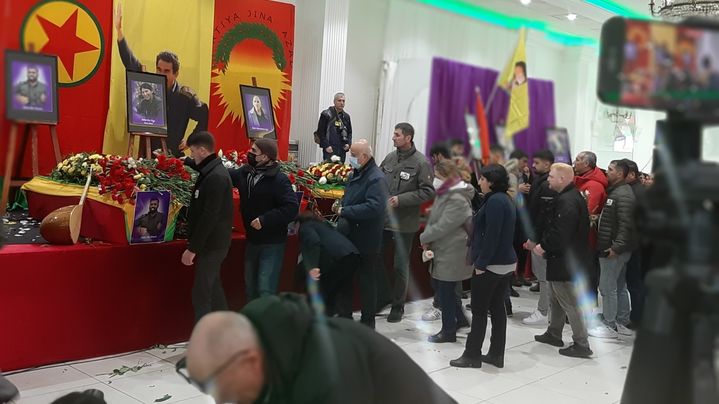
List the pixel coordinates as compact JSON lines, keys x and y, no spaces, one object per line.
{"x":592,"y":184}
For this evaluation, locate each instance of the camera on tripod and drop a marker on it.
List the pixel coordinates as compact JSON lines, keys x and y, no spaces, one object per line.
{"x":673,"y":68}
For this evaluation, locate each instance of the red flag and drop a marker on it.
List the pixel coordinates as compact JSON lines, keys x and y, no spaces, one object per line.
{"x":483,"y":126}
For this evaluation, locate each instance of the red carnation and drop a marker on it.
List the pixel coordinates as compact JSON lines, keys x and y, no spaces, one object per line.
{"x":292,"y":178}
{"x":300,"y":173}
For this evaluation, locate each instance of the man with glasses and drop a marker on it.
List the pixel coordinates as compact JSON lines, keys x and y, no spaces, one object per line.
{"x":278,"y":351}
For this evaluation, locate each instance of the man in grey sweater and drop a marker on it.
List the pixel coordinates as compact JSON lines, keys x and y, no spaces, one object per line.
{"x":409,"y":178}
{"x":617,"y":236}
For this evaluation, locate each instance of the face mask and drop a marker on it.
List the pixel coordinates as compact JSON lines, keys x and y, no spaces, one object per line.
{"x":354,"y":162}
{"x":252,"y":159}
{"x":437,"y":183}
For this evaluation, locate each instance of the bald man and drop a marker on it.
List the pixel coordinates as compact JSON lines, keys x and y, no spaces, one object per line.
{"x":361,"y":218}
{"x":277,"y":351}
{"x":565,"y":246}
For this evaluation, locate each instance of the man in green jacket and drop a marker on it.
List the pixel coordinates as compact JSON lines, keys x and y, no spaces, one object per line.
{"x":617,"y":236}
{"x":409,"y":178}
{"x":277,"y":351}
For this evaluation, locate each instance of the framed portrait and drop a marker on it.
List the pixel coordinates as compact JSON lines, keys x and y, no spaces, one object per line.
{"x":558,"y":144}
{"x":152,"y":209}
{"x":31,"y":87}
{"x":257,"y":109}
{"x":146,"y":102}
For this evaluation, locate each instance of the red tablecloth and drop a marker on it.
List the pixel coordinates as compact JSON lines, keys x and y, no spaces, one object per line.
{"x":83,"y":301}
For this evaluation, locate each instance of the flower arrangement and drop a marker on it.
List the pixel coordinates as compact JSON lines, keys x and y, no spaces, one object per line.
{"x":232,"y":158}
{"x":122,"y":177}
{"x":332,"y":172}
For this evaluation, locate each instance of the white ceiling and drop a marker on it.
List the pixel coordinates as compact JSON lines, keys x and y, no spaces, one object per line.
{"x":589,"y":17}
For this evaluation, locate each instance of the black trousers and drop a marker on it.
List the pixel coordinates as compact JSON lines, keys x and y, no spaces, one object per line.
{"x":488,"y":293}
{"x":635,"y":284}
{"x":368,"y":287}
{"x":336,"y":286}
{"x":207,"y":292}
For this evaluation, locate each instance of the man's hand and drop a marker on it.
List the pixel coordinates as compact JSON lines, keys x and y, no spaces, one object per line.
{"x":329,"y":149}
{"x":524,"y":188}
{"x":183,"y":145}
{"x":393,"y":201}
{"x":256,"y":224}
{"x":315,"y":273}
{"x":118,"y":21}
{"x":43,"y":97}
{"x":529,"y":245}
{"x":347,"y":147}
{"x":142,"y":230}
{"x":539,"y":250}
{"x":610,"y":253}
{"x":22,"y":99}
{"x":187,"y":257}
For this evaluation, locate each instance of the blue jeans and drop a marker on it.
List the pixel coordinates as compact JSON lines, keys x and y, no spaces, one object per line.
{"x":613,"y":287}
{"x":263,"y":264}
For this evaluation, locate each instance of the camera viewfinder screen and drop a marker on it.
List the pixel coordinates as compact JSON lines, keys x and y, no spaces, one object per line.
{"x":670,"y":66}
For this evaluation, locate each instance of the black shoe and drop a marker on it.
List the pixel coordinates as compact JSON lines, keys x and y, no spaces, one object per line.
{"x":465,"y":295}
{"x":468,"y":307}
{"x":576,"y":351}
{"x":465,"y":362}
{"x":508,"y":309}
{"x":395,"y":315}
{"x":441,"y":337}
{"x":513,"y":292}
{"x":496,"y":361}
{"x":463,"y":323}
{"x":534,"y":288}
{"x":525,"y":282}
{"x":548,"y":339}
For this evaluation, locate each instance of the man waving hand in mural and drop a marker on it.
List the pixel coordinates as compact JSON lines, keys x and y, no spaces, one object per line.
{"x":182,"y":102}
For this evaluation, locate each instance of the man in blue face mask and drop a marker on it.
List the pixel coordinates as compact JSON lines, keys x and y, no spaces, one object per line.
{"x":362,"y":215}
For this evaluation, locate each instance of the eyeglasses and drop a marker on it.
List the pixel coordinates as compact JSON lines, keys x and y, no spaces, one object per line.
{"x":204,"y":386}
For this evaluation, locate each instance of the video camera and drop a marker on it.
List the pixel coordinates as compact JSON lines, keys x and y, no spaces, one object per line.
{"x":674,"y":68}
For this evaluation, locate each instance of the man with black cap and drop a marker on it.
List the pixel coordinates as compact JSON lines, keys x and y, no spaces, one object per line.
{"x":268,"y":204}
{"x":210,"y":224}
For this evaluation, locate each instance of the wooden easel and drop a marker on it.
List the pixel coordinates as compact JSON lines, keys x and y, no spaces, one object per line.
{"x":147,"y":138}
{"x":30,"y":134}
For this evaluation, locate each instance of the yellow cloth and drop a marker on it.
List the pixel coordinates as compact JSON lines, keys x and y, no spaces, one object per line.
{"x":46,"y":186}
{"x":330,"y":193}
{"x":149,"y":28}
{"x":518,"y":114}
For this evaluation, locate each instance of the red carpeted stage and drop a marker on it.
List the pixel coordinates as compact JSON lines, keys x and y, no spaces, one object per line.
{"x":68,"y":303}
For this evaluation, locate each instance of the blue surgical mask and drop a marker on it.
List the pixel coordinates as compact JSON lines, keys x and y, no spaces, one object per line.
{"x":354,"y":162}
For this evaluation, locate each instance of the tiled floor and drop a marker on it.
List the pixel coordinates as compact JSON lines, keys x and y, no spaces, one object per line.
{"x":532,"y":371}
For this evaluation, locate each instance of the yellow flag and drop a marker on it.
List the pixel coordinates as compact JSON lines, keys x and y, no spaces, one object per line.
{"x":150,"y":27}
{"x":514,"y":80}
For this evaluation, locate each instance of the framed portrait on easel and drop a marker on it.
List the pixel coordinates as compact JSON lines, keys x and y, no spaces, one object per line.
{"x":31,"y":87}
{"x":146,"y":103}
{"x":258,"y":113}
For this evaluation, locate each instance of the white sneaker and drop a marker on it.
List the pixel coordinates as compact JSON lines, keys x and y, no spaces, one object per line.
{"x":603,"y":331}
{"x":433,"y":314}
{"x":622,"y":330}
{"x":536,"y":318}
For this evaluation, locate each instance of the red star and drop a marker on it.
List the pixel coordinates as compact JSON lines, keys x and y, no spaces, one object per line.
{"x":64,"y":42}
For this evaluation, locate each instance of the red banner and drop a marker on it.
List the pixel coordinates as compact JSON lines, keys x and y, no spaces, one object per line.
{"x":78,"y":33}
{"x":253,"y":40}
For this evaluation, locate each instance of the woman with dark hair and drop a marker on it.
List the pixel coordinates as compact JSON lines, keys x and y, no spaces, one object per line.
{"x":494,"y":261}
{"x":445,"y":236}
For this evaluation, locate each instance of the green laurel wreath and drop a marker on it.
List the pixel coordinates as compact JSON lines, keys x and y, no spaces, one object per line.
{"x":247,"y":30}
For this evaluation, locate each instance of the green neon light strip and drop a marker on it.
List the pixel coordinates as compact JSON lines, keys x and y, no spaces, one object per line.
{"x":616,"y":8}
{"x":503,"y":20}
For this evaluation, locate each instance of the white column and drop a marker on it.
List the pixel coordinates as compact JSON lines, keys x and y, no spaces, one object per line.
{"x":319,"y":70}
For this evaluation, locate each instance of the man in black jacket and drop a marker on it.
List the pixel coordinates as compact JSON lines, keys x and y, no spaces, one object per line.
{"x":362,"y":215}
{"x":276,"y":351}
{"x":541,"y":205}
{"x":334,"y":130}
{"x":615,"y":242}
{"x":331,"y":258}
{"x":210,"y":225}
{"x":635,"y":273}
{"x":268,"y":204}
{"x":565,"y":246}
